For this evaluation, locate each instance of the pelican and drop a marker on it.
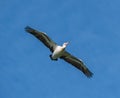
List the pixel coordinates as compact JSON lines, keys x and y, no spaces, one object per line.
{"x":59,"y":51}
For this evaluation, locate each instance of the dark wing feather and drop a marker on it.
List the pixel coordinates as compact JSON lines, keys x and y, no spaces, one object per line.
{"x":42,"y":37}
{"x":77,"y":63}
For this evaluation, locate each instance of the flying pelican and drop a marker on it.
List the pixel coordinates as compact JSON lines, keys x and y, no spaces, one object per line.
{"x":59,"y":51}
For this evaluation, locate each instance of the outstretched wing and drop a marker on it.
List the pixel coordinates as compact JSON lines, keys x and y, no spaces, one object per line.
{"x":42,"y":37}
{"x":77,"y":63}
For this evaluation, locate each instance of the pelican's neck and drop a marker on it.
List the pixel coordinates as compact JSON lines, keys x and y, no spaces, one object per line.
{"x":65,"y":45}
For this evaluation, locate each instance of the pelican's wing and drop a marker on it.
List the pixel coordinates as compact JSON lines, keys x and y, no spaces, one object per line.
{"x":77,"y":63}
{"x":42,"y":37}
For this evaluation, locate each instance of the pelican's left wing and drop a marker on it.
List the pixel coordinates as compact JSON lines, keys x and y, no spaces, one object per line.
{"x":42,"y":37}
{"x":77,"y":63}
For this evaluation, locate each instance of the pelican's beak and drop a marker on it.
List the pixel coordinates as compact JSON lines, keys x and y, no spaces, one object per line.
{"x":67,"y":43}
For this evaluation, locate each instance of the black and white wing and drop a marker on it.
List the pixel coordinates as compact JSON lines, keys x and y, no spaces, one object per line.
{"x":77,"y":63}
{"x":42,"y":37}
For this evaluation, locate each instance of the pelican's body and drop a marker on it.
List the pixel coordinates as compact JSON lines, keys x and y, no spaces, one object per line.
{"x":59,"y":51}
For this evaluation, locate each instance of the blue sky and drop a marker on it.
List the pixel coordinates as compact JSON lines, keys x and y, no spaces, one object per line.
{"x":91,"y":26}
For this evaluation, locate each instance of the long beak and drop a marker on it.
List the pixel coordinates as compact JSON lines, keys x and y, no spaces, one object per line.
{"x":67,"y":43}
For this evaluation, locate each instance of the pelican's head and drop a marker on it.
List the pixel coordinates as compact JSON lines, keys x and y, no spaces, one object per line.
{"x":65,"y":44}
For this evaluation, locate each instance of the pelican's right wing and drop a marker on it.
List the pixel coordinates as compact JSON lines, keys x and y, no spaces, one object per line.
{"x":42,"y":37}
{"x":77,"y":63}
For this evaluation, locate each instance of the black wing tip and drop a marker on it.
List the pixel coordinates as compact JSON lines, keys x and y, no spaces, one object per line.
{"x":89,"y":74}
{"x":29,"y":29}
